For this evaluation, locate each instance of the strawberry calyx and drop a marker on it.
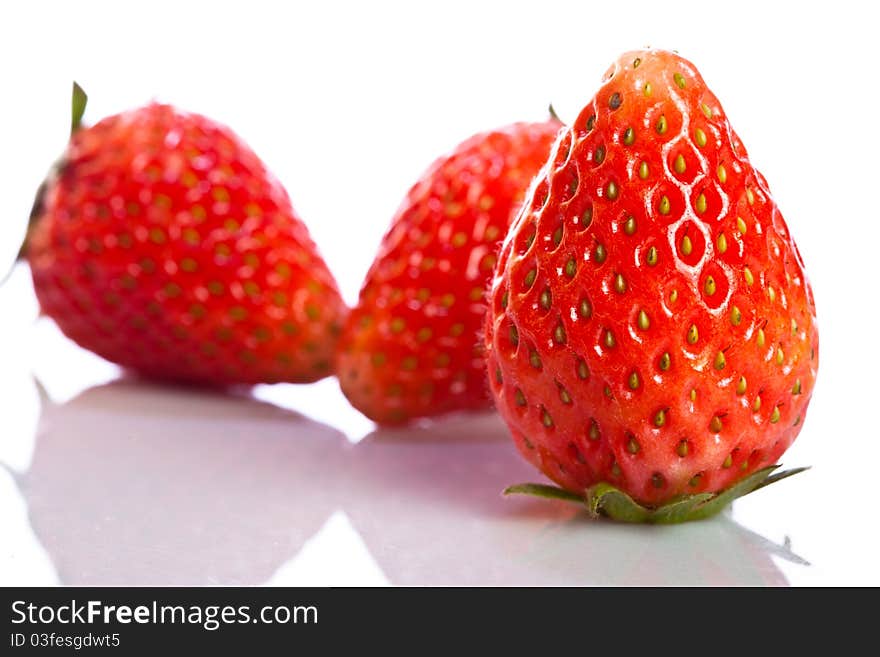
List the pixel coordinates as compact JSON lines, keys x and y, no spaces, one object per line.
{"x":78,"y":101}
{"x":603,"y":499}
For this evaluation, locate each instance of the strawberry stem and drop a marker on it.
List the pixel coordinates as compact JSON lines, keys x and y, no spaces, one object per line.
{"x":78,"y":100}
{"x":603,"y":499}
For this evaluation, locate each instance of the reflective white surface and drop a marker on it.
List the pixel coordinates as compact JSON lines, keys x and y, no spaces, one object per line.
{"x":105,"y":480}
{"x":110,"y":480}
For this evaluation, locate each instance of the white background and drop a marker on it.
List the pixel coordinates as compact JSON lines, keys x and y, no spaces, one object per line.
{"x":347,"y":102}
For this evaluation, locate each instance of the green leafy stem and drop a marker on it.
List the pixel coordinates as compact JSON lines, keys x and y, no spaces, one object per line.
{"x":78,"y":101}
{"x":603,"y":499}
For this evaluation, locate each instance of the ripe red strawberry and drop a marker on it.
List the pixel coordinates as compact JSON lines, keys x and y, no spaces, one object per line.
{"x":411,"y":347}
{"x":651,"y":327}
{"x":163,"y":244}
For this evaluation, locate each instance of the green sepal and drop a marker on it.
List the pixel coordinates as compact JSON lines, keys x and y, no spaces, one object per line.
{"x":779,"y":476}
{"x":758,"y":479}
{"x":603,"y":499}
{"x":543,"y":490}
{"x":78,"y":101}
{"x":680,"y":510}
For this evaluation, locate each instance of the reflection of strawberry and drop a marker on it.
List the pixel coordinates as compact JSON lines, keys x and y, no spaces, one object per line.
{"x":665,"y":343}
{"x":444,"y":523}
{"x":163,"y":244}
{"x":719,"y":552}
{"x":134,"y":484}
{"x":410,"y":348}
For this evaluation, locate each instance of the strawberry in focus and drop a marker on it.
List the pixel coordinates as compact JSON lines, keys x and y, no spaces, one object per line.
{"x":161,"y":243}
{"x":651,"y":337}
{"x":411,"y":347}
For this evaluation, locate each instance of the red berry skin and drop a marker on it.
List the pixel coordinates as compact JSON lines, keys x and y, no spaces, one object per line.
{"x":412,"y":346}
{"x":666,"y":342}
{"x":164,"y":245}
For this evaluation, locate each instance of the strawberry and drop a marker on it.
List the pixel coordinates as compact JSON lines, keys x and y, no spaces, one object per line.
{"x":651,"y":340}
{"x":412,"y":347}
{"x":163,"y":244}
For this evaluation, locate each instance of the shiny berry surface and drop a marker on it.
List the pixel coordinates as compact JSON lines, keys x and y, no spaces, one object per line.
{"x":651,"y":324}
{"x":164,"y":245}
{"x":412,"y":346}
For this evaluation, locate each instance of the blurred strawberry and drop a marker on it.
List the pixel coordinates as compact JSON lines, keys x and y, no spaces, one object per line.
{"x":163,"y":244}
{"x":410,"y":348}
